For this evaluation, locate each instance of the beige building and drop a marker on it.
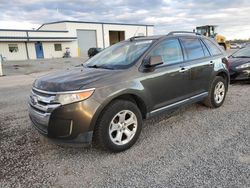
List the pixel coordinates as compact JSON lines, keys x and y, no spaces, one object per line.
{"x":51,"y":39}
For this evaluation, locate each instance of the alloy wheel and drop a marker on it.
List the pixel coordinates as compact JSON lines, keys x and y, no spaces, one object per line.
{"x":219,"y":92}
{"x":123,"y":127}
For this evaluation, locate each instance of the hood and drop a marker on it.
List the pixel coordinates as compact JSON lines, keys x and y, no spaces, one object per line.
{"x":234,"y":62}
{"x":72,"y":79}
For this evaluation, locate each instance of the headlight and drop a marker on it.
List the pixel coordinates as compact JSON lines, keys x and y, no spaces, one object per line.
{"x":73,"y":96}
{"x":243,"y":66}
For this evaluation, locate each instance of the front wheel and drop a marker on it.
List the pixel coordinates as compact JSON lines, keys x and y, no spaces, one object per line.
{"x":119,"y":126}
{"x":217,"y":93}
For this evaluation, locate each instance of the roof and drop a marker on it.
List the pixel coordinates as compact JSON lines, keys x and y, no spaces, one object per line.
{"x":108,"y":23}
{"x":25,"y":30}
{"x":30,"y":39}
{"x":153,"y":37}
{"x":207,"y":26}
{"x":170,"y":34}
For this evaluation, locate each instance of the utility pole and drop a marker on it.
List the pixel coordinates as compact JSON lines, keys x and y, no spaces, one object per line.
{"x":1,"y":67}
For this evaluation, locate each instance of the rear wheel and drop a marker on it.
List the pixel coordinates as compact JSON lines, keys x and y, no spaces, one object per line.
{"x":119,"y":126}
{"x":217,"y":93}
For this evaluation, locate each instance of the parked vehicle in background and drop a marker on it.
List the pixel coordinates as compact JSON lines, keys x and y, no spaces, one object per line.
{"x":234,"y":46}
{"x":239,"y":64}
{"x":240,"y":45}
{"x":93,"y":51}
{"x":109,"y":96}
{"x":210,"y":31}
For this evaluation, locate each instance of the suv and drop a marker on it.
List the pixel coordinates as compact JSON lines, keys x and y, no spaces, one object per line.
{"x":108,"y":97}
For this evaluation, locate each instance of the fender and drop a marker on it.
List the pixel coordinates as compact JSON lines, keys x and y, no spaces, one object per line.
{"x":132,"y":91}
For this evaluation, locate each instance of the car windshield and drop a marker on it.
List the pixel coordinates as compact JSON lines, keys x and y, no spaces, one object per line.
{"x":119,"y":56}
{"x":245,"y":52}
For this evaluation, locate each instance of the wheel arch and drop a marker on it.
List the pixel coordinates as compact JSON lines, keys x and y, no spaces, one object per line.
{"x":124,"y":96}
{"x":224,"y":75}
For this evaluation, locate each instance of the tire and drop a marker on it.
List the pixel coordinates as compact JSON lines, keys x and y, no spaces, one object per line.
{"x":110,"y":131}
{"x":212,"y":100}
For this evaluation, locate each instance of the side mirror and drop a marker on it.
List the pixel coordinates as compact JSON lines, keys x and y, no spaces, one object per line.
{"x":154,"y":61}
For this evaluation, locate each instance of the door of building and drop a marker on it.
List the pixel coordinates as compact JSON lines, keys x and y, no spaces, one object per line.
{"x":86,"y":39}
{"x":39,"y":50}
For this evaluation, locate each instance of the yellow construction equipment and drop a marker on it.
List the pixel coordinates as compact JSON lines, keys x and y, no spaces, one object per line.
{"x":210,"y":31}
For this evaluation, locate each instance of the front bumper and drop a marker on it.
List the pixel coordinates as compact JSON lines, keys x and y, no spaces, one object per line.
{"x":62,"y":123}
{"x":82,"y":138}
{"x":240,"y":75}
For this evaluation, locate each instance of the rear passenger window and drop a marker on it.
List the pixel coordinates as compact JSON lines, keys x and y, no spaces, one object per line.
{"x":206,"y":52}
{"x":214,"y":50}
{"x":193,"y":48}
{"x":169,"y":50}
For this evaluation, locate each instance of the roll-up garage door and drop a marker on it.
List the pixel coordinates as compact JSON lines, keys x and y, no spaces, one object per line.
{"x":86,"y":39}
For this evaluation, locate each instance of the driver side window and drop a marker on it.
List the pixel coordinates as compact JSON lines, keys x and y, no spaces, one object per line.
{"x":170,"y":51}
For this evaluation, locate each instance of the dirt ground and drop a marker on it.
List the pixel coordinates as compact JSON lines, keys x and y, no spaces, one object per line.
{"x":193,"y":147}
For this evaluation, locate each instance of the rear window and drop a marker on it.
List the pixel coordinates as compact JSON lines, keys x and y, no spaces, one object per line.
{"x":192,"y":48}
{"x":214,"y":50}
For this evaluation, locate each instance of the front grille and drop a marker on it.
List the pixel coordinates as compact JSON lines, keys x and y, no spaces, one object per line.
{"x":41,"y":105}
{"x":42,"y":102}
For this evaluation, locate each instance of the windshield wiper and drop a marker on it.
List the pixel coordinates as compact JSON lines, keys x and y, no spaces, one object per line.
{"x":241,"y":56}
{"x":99,"y":66}
{"x":93,"y":66}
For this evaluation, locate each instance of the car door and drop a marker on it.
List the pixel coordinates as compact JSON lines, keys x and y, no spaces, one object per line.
{"x":200,"y":65}
{"x":168,"y":82}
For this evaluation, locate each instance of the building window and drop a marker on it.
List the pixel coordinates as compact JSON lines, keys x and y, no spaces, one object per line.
{"x":13,"y":48}
{"x":58,"y":47}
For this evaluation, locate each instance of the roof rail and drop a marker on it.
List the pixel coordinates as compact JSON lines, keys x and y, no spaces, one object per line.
{"x":133,"y":38}
{"x":184,"y":32}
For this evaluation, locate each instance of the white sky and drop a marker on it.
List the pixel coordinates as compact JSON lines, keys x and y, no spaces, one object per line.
{"x":232,"y":17}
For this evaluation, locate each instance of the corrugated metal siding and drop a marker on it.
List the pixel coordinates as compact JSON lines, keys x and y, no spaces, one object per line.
{"x":13,"y":34}
{"x":20,"y":55}
{"x":86,"y":39}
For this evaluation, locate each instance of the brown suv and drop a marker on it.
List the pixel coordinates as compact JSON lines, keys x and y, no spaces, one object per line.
{"x":108,"y":97}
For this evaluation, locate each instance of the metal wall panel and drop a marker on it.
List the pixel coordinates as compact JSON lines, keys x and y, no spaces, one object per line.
{"x":86,"y":39}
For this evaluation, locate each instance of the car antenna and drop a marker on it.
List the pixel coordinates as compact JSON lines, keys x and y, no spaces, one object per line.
{"x":136,"y":31}
{"x":132,"y":38}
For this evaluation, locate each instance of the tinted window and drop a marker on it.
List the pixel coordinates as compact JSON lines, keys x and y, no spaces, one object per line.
{"x":169,"y":50}
{"x":214,"y":50}
{"x":206,"y":52}
{"x":192,"y":48}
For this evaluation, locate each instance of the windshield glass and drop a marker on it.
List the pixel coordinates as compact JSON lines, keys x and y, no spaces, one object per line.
{"x":245,"y":52}
{"x":119,"y":56}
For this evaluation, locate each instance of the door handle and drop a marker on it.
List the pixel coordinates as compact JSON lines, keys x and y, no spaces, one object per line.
{"x":183,"y":69}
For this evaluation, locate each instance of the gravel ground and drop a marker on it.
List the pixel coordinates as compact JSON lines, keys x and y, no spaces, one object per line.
{"x":193,"y":147}
{"x":28,"y":67}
